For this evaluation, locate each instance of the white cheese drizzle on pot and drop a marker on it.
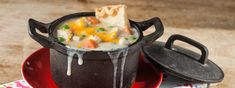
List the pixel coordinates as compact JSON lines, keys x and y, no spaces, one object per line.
{"x":125,"y":52}
{"x":70,"y":59}
{"x":114,"y":58}
{"x":71,"y":52}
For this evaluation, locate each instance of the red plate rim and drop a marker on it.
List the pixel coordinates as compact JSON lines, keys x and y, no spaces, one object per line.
{"x":157,"y":84}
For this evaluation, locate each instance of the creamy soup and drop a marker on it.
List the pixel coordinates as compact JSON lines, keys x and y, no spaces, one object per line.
{"x":89,"y":33}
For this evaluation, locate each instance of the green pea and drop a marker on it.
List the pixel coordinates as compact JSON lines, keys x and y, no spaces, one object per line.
{"x":64,"y":27}
{"x":61,"y":39}
{"x":110,"y":26}
{"x":134,"y":38}
{"x":83,"y":36}
{"x":100,"y":29}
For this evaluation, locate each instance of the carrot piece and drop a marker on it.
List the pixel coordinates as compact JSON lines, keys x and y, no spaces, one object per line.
{"x":127,"y":30}
{"x":90,"y":44}
{"x":93,"y":20}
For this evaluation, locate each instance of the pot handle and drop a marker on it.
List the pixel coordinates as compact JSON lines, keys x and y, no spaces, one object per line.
{"x":203,"y":49}
{"x":42,"y":27}
{"x":159,"y":29}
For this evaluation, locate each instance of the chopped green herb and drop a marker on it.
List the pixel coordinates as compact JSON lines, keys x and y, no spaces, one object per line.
{"x":66,"y":27}
{"x":61,"y":39}
{"x":134,"y":38}
{"x":83,"y":36}
{"x":126,"y":38}
{"x":110,"y":26}
{"x":100,"y":29}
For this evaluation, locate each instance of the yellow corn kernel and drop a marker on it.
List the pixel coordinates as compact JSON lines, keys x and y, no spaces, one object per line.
{"x":113,"y":35}
{"x":107,"y":37}
{"x":69,"y":38}
{"x":79,"y":45}
{"x":74,"y":28}
{"x":90,"y":30}
{"x":81,"y":23}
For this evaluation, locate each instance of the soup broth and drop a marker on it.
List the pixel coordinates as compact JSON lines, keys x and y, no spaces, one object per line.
{"x":88,"y":33}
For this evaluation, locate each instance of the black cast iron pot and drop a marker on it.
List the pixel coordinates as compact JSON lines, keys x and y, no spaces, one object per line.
{"x":97,"y":69}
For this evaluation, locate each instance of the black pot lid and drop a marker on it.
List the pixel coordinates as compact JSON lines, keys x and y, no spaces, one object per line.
{"x":182,"y":62}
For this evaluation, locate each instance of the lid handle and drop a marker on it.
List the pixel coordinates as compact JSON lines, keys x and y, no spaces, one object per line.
{"x":204,"y":50}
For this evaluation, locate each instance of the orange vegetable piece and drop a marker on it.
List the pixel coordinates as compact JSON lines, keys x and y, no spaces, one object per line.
{"x":128,"y":30}
{"x":93,"y":20}
{"x":90,"y":44}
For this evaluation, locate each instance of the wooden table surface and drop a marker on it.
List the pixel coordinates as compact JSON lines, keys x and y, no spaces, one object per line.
{"x":16,"y":45}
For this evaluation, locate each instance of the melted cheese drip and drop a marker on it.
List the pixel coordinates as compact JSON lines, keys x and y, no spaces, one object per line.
{"x":114,"y":58}
{"x":124,"y":52}
{"x":70,"y":59}
{"x":90,"y":30}
{"x":71,"y":52}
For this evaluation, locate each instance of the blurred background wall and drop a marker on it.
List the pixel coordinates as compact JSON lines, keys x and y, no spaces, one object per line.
{"x":175,"y":13}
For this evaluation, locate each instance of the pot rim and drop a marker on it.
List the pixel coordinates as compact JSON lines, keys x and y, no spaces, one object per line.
{"x":52,"y":42}
{"x":54,"y":25}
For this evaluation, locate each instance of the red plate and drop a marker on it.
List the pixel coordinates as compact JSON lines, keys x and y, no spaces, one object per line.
{"x":36,"y":71}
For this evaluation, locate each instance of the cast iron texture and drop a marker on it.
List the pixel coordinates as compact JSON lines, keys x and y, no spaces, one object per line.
{"x":97,"y":70}
{"x":182,"y":62}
